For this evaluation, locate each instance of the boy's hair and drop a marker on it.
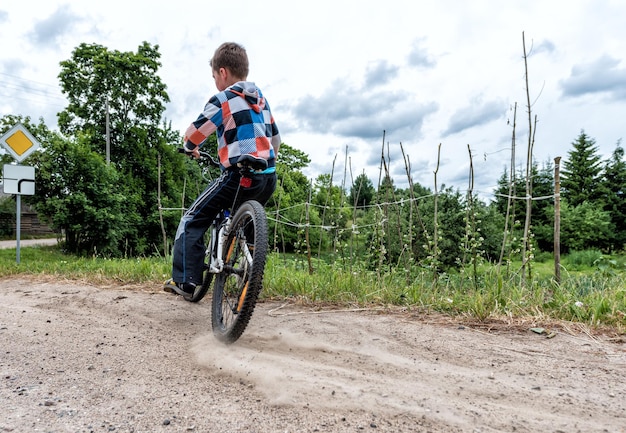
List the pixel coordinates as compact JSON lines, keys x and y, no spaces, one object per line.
{"x":233,"y":57}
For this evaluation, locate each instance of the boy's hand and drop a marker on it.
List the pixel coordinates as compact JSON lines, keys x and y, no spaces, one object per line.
{"x":195,"y":153}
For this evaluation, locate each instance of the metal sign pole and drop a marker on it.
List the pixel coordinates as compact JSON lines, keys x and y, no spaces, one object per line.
{"x":20,"y":143}
{"x":18,"y":224}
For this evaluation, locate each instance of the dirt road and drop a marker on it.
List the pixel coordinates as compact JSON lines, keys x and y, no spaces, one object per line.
{"x":76,"y":358}
{"x":28,"y":242}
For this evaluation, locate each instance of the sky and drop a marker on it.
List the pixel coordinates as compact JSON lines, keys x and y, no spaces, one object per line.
{"x":425,"y":83}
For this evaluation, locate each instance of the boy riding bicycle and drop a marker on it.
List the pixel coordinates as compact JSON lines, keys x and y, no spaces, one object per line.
{"x":241,"y":117}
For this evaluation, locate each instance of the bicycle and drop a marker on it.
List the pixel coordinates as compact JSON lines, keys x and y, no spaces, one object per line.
{"x":235,"y":255}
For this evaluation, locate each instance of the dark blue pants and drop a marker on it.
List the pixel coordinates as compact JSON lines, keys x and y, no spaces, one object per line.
{"x":220,"y":194}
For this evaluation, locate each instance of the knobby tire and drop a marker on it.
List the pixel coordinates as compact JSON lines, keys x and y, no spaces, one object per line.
{"x":237,"y":288}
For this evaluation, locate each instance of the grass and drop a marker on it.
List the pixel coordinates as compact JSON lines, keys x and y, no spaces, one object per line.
{"x":591,"y":295}
{"x":592,"y":292}
{"x":51,"y":261}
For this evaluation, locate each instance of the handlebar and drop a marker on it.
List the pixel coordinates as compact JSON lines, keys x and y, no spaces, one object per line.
{"x":245,"y":162}
{"x":203,"y":155}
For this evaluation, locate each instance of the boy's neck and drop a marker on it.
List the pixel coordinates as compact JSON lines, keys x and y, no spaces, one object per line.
{"x":234,"y":80}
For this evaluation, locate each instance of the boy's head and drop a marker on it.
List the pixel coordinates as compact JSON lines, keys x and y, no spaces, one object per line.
{"x":229,"y":65}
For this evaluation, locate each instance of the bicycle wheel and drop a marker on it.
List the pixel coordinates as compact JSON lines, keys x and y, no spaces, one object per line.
{"x":237,"y":287}
{"x":207,"y":277}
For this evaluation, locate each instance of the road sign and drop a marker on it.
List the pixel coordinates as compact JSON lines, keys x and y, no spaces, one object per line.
{"x":19,"y":142}
{"x":19,"y":179}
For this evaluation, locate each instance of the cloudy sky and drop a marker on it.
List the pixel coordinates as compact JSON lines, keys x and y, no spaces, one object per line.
{"x":338,"y":74}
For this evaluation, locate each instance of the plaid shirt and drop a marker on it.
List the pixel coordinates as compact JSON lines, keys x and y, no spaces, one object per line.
{"x":244,"y":124}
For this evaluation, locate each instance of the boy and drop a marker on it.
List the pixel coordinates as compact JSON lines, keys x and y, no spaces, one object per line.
{"x":242,"y":119}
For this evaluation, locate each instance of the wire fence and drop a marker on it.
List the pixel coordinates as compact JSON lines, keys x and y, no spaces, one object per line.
{"x":278,"y":215}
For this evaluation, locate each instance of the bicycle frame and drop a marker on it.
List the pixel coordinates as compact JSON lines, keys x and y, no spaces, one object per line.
{"x":219,"y":231}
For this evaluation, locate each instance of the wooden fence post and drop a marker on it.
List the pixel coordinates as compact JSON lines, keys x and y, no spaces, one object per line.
{"x":557,"y":220}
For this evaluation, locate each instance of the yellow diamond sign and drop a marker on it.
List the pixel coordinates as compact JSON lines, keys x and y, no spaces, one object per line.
{"x":19,"y":142}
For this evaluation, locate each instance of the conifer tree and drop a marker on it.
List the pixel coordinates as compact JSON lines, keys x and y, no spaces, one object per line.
{"x":582,"y":173}
{"x":615,"y":185}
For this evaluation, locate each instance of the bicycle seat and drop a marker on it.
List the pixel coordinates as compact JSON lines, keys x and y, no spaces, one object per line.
{"x":252,"y":162}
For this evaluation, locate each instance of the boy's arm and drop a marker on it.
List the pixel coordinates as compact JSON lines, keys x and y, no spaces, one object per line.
{"x":206,"y":124}
{"x":275,"y":139}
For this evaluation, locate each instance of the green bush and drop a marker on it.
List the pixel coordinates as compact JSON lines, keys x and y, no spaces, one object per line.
{"x":577,"y":260}
{"x":7,"y":217}
{"x":543,"y":257}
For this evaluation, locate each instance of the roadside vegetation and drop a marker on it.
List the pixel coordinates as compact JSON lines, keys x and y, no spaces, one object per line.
{"x":592,"y":291}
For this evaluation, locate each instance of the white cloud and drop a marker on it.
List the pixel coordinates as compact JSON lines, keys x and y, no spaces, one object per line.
{"x":600,"y":76}
{"x":49,"y":31}
{"x":475,"y":114}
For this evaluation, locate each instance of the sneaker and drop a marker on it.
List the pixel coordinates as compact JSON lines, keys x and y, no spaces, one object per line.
{"x":186,"y":290}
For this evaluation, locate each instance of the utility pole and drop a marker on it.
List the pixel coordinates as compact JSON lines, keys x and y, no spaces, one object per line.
{"x":107,"y":133}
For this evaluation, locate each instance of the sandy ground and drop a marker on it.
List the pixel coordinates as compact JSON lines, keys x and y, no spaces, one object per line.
{"x":77,"y":358}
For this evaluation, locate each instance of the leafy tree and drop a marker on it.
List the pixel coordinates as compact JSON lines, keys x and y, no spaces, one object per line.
{"x":582,"y":172}
{"x":491,"y":226}
{"x":385,"y":239}
{"x":451,"y":224}
{"x":127,"y":83}
{"x":286,"y":209}
{"x":584,"y":227}
{"x":329,"y":199}
{"x":542,"y":192}
{"x":396,"y":218}
{"x":124,"y":88}
{"x":81,"y":196}
{"x":7,"y":216}
{"x":291,"y":159}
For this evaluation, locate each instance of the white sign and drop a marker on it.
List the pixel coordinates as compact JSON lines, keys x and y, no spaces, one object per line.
{"x":19,"y":179}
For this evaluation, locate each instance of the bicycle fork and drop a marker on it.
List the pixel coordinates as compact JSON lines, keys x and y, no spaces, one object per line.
{"x":216,"y":246}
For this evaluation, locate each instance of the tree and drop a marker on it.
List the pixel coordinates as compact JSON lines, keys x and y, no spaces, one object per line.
{"x":362,"y":191}
{"x":491,"y":226}
{"x":81,"y":196}
{"x":615,"y":199}
{"x":121,"y":92}
{"x":582,"y":172}
{"x":543,"y":190}
{"x":451,"y":224}
{"x":291,"y":159}
{"x":584,"y":227}
{"x":329,"y":200}
{"x":286,"y":208}
{"x":122,"y":86}
{"x":7,"y":216}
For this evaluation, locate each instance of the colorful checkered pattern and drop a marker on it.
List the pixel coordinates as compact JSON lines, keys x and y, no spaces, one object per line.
{"x":244,"y":124}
